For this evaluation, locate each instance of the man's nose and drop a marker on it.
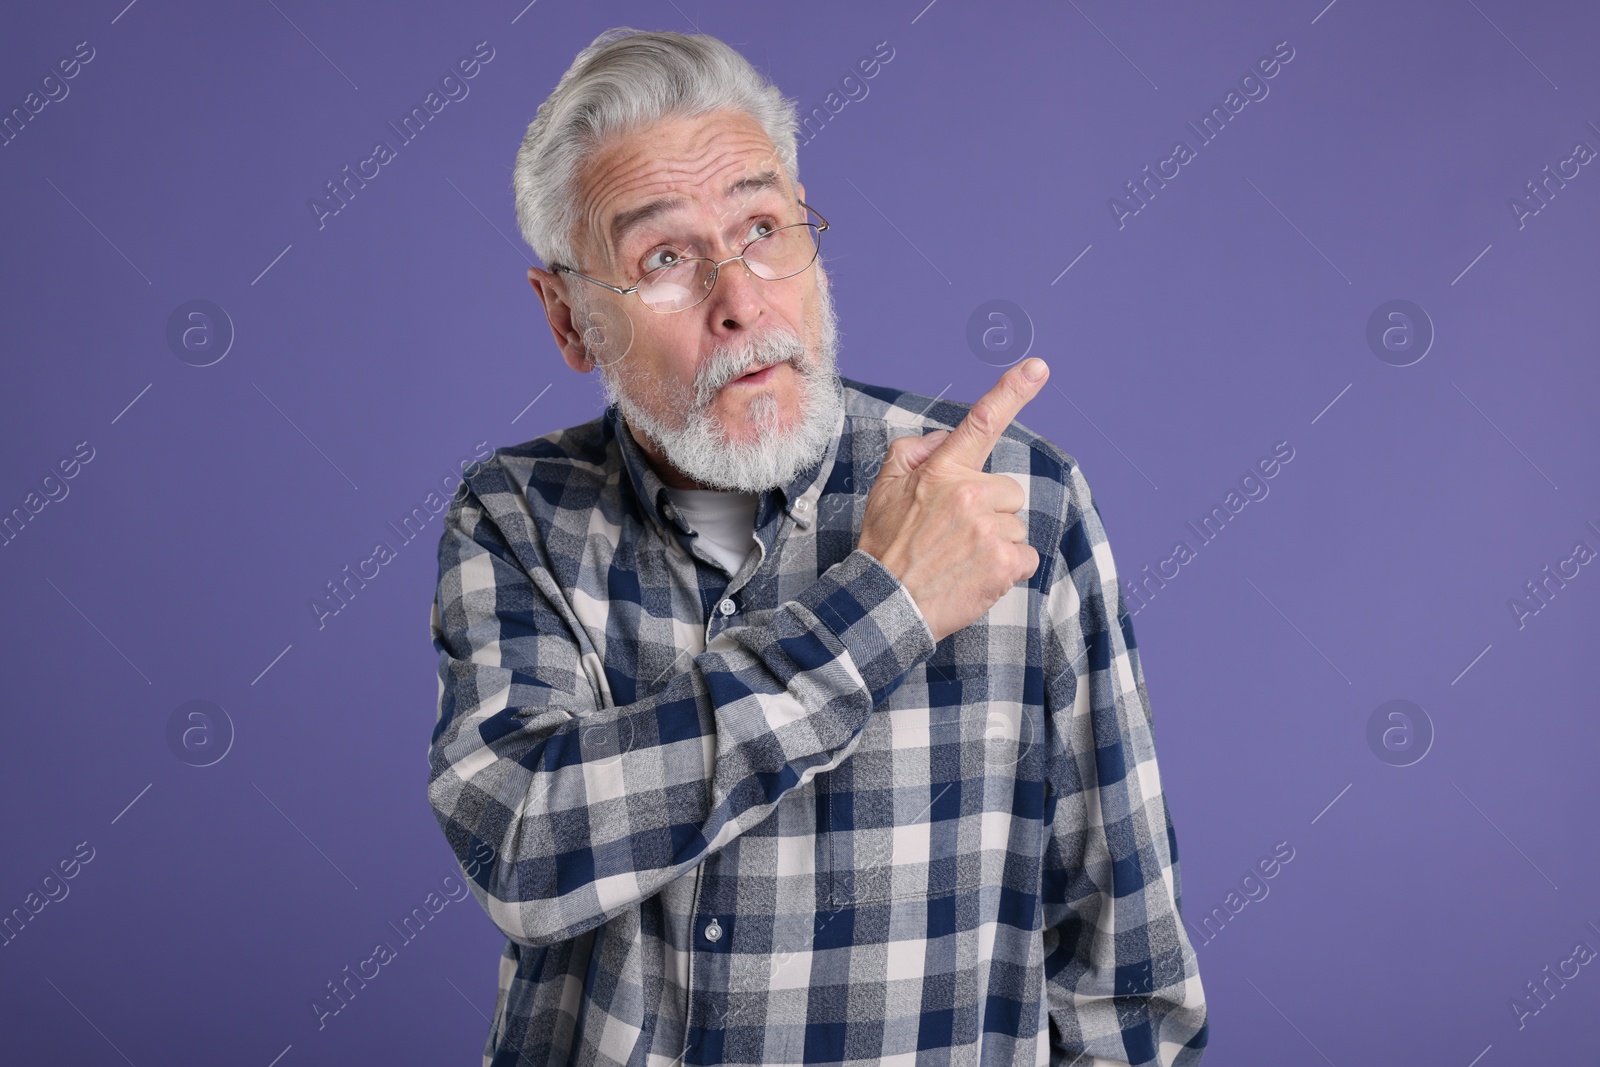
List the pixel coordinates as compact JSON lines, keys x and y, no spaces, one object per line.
{"x":735,"y":300}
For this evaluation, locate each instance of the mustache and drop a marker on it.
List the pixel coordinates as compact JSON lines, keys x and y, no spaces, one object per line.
{"x":729,"y":362}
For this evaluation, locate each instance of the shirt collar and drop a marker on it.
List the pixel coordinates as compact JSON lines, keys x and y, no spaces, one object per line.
{"x":798,"y":498}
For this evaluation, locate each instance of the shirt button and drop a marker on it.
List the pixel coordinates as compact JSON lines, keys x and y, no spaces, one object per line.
{"x":728,"y":607}
{"x":803,"y":506}
{"x":713,"y":931}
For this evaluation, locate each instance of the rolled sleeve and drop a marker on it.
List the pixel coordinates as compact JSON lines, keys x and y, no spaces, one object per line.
{"x":872,"y":616}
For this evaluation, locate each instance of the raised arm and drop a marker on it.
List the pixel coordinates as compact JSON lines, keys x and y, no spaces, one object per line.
{"x":1122,"y":977}
{"x":562,"y":810}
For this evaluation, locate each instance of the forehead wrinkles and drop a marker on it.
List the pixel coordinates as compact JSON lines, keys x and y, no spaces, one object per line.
{"x":641,"y":169}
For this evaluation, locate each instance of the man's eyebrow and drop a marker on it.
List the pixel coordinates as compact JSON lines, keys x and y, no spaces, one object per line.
{"x":626,"y":221}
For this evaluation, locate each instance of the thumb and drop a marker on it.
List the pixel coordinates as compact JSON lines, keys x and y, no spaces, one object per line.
{"x":907,"y":453}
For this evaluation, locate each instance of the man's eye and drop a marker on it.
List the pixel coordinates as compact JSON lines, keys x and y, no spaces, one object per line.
{"x":661,"y":257}
{"x":760,"y":228}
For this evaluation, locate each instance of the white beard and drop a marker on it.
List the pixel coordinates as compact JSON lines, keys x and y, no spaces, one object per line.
{"x":699,"y":446}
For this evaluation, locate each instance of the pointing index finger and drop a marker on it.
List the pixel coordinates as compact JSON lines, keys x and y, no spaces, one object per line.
{"x":970,"y":443}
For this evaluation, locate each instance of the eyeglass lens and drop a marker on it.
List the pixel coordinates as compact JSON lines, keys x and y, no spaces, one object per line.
{"x":785,"y":251}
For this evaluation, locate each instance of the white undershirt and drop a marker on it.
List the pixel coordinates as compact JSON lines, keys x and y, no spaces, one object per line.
{"x":725,"y":521}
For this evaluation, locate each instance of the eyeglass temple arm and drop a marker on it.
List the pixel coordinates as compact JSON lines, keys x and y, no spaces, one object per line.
{"x":561,"y":268}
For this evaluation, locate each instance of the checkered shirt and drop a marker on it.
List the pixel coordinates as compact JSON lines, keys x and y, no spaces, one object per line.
{"x":762,"y":817}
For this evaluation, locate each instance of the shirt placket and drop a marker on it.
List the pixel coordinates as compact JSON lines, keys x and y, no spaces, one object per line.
{"x":710,"y":935}
{"x":730,"y":608}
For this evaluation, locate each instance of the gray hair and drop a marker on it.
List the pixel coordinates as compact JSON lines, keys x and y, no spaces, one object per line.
{"x":625,"y":80}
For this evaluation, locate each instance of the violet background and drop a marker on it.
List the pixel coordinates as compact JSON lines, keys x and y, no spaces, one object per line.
{"x":1227,"y":315}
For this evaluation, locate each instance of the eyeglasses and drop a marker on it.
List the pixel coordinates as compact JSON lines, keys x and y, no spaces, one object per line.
{"x":684,"y":282}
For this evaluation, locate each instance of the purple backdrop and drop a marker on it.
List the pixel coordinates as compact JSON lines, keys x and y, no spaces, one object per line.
{"x":1380,"y":261}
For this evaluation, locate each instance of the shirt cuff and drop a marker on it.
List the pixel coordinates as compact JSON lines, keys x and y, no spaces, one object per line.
{"x":874,"y":617}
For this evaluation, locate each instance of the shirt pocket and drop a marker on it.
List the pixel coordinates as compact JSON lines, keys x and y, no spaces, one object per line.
{"x":903,"y":816}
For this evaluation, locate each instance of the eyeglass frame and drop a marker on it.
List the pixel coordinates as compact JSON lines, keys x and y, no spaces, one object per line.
{"x":716,"y":265}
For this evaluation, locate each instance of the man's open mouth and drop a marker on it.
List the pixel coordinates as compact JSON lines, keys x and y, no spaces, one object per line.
{"x":756,"y":374}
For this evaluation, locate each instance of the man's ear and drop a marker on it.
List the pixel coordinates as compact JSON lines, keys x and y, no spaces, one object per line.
{"x":564,"y":325}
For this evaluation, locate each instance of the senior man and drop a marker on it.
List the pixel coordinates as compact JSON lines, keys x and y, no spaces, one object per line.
{"x":783,"y":719}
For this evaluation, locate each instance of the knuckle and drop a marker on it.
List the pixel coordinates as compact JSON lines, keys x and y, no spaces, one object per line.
{"x":983,"y":417}
{"x":1014,"y":388}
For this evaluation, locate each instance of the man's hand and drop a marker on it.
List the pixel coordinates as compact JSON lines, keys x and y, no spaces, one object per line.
{"x":947,"y":530}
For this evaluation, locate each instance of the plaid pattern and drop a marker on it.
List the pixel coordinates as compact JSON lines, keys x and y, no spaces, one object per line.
{"x":763,"y":818}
